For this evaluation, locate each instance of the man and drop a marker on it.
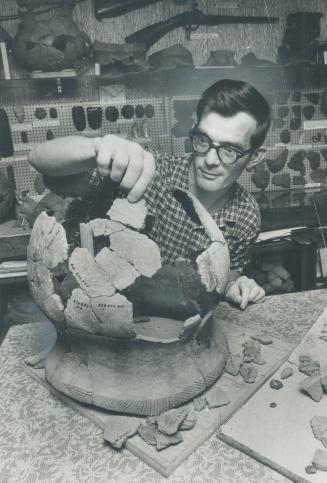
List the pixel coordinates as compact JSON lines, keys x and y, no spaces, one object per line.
{"x":232,"y":122}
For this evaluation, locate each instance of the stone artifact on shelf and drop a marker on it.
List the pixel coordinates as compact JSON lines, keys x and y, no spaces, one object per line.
{"x":134,"y":335}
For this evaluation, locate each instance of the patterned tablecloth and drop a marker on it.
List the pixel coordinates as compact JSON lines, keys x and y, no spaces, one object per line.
{"x":42,"y":440}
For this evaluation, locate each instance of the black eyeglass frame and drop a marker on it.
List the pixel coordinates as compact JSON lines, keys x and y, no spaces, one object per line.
{"x":212,"y":145}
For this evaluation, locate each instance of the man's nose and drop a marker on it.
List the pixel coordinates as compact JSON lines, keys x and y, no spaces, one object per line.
{"x":212,"y":158}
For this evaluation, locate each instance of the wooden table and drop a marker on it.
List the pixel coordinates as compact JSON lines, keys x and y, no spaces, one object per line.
{"x":42,"y":440}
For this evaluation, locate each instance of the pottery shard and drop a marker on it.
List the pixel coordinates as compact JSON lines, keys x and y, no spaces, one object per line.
{"x":131,"y":214}
{"x":213,"y":267}
{"x":90,"y":277}
{"x":190,"y":421}
{"x":118,"y":429}
{"x":53,"y":308}
{"x":312,"y":386}
{"x":283,"y":180}
{"x":252,"y":352}
{"x":319,"y":459}
{"x":216,"y":397}
{"x":122,"y":274}
{"x":281,"y":272}
{"x":248,"y":372}
{"x":105,"y":227}
{"x":79,"y":314}
{"x":48,"y":241}
{"x":286,"y":373}
{"x":233,"y":364}
{"x":319,"y":428}
{"x":278,"y":163}
{"x":262,"y":339}
{"x":163,"y":440}
{"x":189,"y":327}
{"x":115,"y":314}
{"x":309,"y":367}
{"x":148,"y":432}
{"x":42,"y":280}
{"x":169,"y":421}
{"x":199,"y":403}
{"x":296,"y":162}
{"x":261,"y":176}
{"x":138,"y":249}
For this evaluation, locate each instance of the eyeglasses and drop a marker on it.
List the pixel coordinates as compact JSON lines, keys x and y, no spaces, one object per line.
{"x":202,"y":144}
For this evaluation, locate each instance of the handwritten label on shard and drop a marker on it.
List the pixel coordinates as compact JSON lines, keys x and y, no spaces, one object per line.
{"x":115,"y":314}
{"x":79,"y":314}
{"x":90,"y":277}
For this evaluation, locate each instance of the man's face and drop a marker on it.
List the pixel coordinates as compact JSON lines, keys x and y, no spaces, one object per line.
{"x":207,"y":171}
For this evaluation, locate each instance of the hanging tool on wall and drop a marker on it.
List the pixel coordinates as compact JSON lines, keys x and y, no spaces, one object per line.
{"x":191,"y":20}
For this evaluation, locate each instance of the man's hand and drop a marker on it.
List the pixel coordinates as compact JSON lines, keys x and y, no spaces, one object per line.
{"x":244,"y":290}
{"x":126,"y":162}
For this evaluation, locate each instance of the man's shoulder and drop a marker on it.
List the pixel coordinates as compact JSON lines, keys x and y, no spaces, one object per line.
{"x":248,"y":208}
{"x":246,"y":199}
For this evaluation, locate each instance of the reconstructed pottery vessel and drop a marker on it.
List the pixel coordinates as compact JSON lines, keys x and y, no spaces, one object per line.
{"x":133,"y":335}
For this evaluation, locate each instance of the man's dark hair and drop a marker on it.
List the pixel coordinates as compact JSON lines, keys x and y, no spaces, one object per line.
{"x":228,"y":97}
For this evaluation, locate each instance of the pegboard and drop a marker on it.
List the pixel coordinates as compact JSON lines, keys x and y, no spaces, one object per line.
{"x":305,"y":135}
{"x":148,"y":125}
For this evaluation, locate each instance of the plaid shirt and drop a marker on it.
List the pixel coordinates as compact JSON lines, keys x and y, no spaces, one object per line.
{"x":177,"y":234}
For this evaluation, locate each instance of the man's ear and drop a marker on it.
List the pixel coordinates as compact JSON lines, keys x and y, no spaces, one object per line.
{"x":256,"y":158}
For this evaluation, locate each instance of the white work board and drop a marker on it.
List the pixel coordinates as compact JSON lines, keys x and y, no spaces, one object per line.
{"x":281,"y":437}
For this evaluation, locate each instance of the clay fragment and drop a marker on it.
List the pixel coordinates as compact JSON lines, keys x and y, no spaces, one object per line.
{"x":263,"y":339}
{"x":283,"y":180}
{"x":273,"y":405}
{"x":53,"y":308}
{"x":295,"y":123}
{"x":278,"y":163}
{"x":216,"y":397}
{"x":199,"y":403}
{"x":169,"y":421}
{"x":323,"y":381}
{"x":276,"y":384}
{"x":319,"y":428}
{"x":248,"y":372}
{"x":121,"y":273}
{"x":308,"y":112}
{"x":79,"y":314}
{"x":233,"y":364}
{"x":148,"y":432}
{"x":319,"y":460}
{"x":285,"y":136}
{"x":309,"y":367}
{"x":312,"y":386}
{"x":313,"y":97}
{"x":281,"y":272}
{"x":105,"y":227}
{"x":130,"y":214}
{"x":310,"y":469}
{"x":296,"y":162}
{"x":261,"y":176}
{"x":41,"y":276}
{"x":138,"y":249}
{"x":190,"y":421}
{"x":163,"y":440}
{"x":252,"y":352}
{"x":314,"y":159}
{"x":319,"y":175}
{"x":213,"y":266}
{"x":286,"y":373}
{"x":90,"y":277}
{"x":115,"y":314}
{"x":189,"y":327}
{"x":119,"y":428}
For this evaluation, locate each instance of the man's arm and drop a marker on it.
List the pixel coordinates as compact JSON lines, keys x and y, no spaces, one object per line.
{"x":126,"y":162}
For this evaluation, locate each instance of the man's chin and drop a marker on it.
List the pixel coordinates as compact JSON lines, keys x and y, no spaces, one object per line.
{"x":210,"y":185}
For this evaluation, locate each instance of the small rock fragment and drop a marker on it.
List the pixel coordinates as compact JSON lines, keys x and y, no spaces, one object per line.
{"x":169,"y":421}
{"x":233,"y":364}
{"x":263,"y":339}
{"x":199,"y":403}
{"x":261,"y":176}
{"x":320,"y":460}
{"x":276,"y":384}
{"x":119,"y":428}
{"x":163,"y":440}
{"x":248,"y":372}
{"x":283,"y":180}
{"x":190,"y":421}
{"x":131,"y":214}
{"x":310,"y":469}
{"x":319,"y":428}
{"x":308,"y":112}
{"x":278,"y":163}
{"x":216,"y":397}
{"x":312,"y":386}
{"x":273,"y":405}
{"x":286,"y":373}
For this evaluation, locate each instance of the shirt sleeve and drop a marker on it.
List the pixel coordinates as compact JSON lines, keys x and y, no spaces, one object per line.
{"x":241,"y":253}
